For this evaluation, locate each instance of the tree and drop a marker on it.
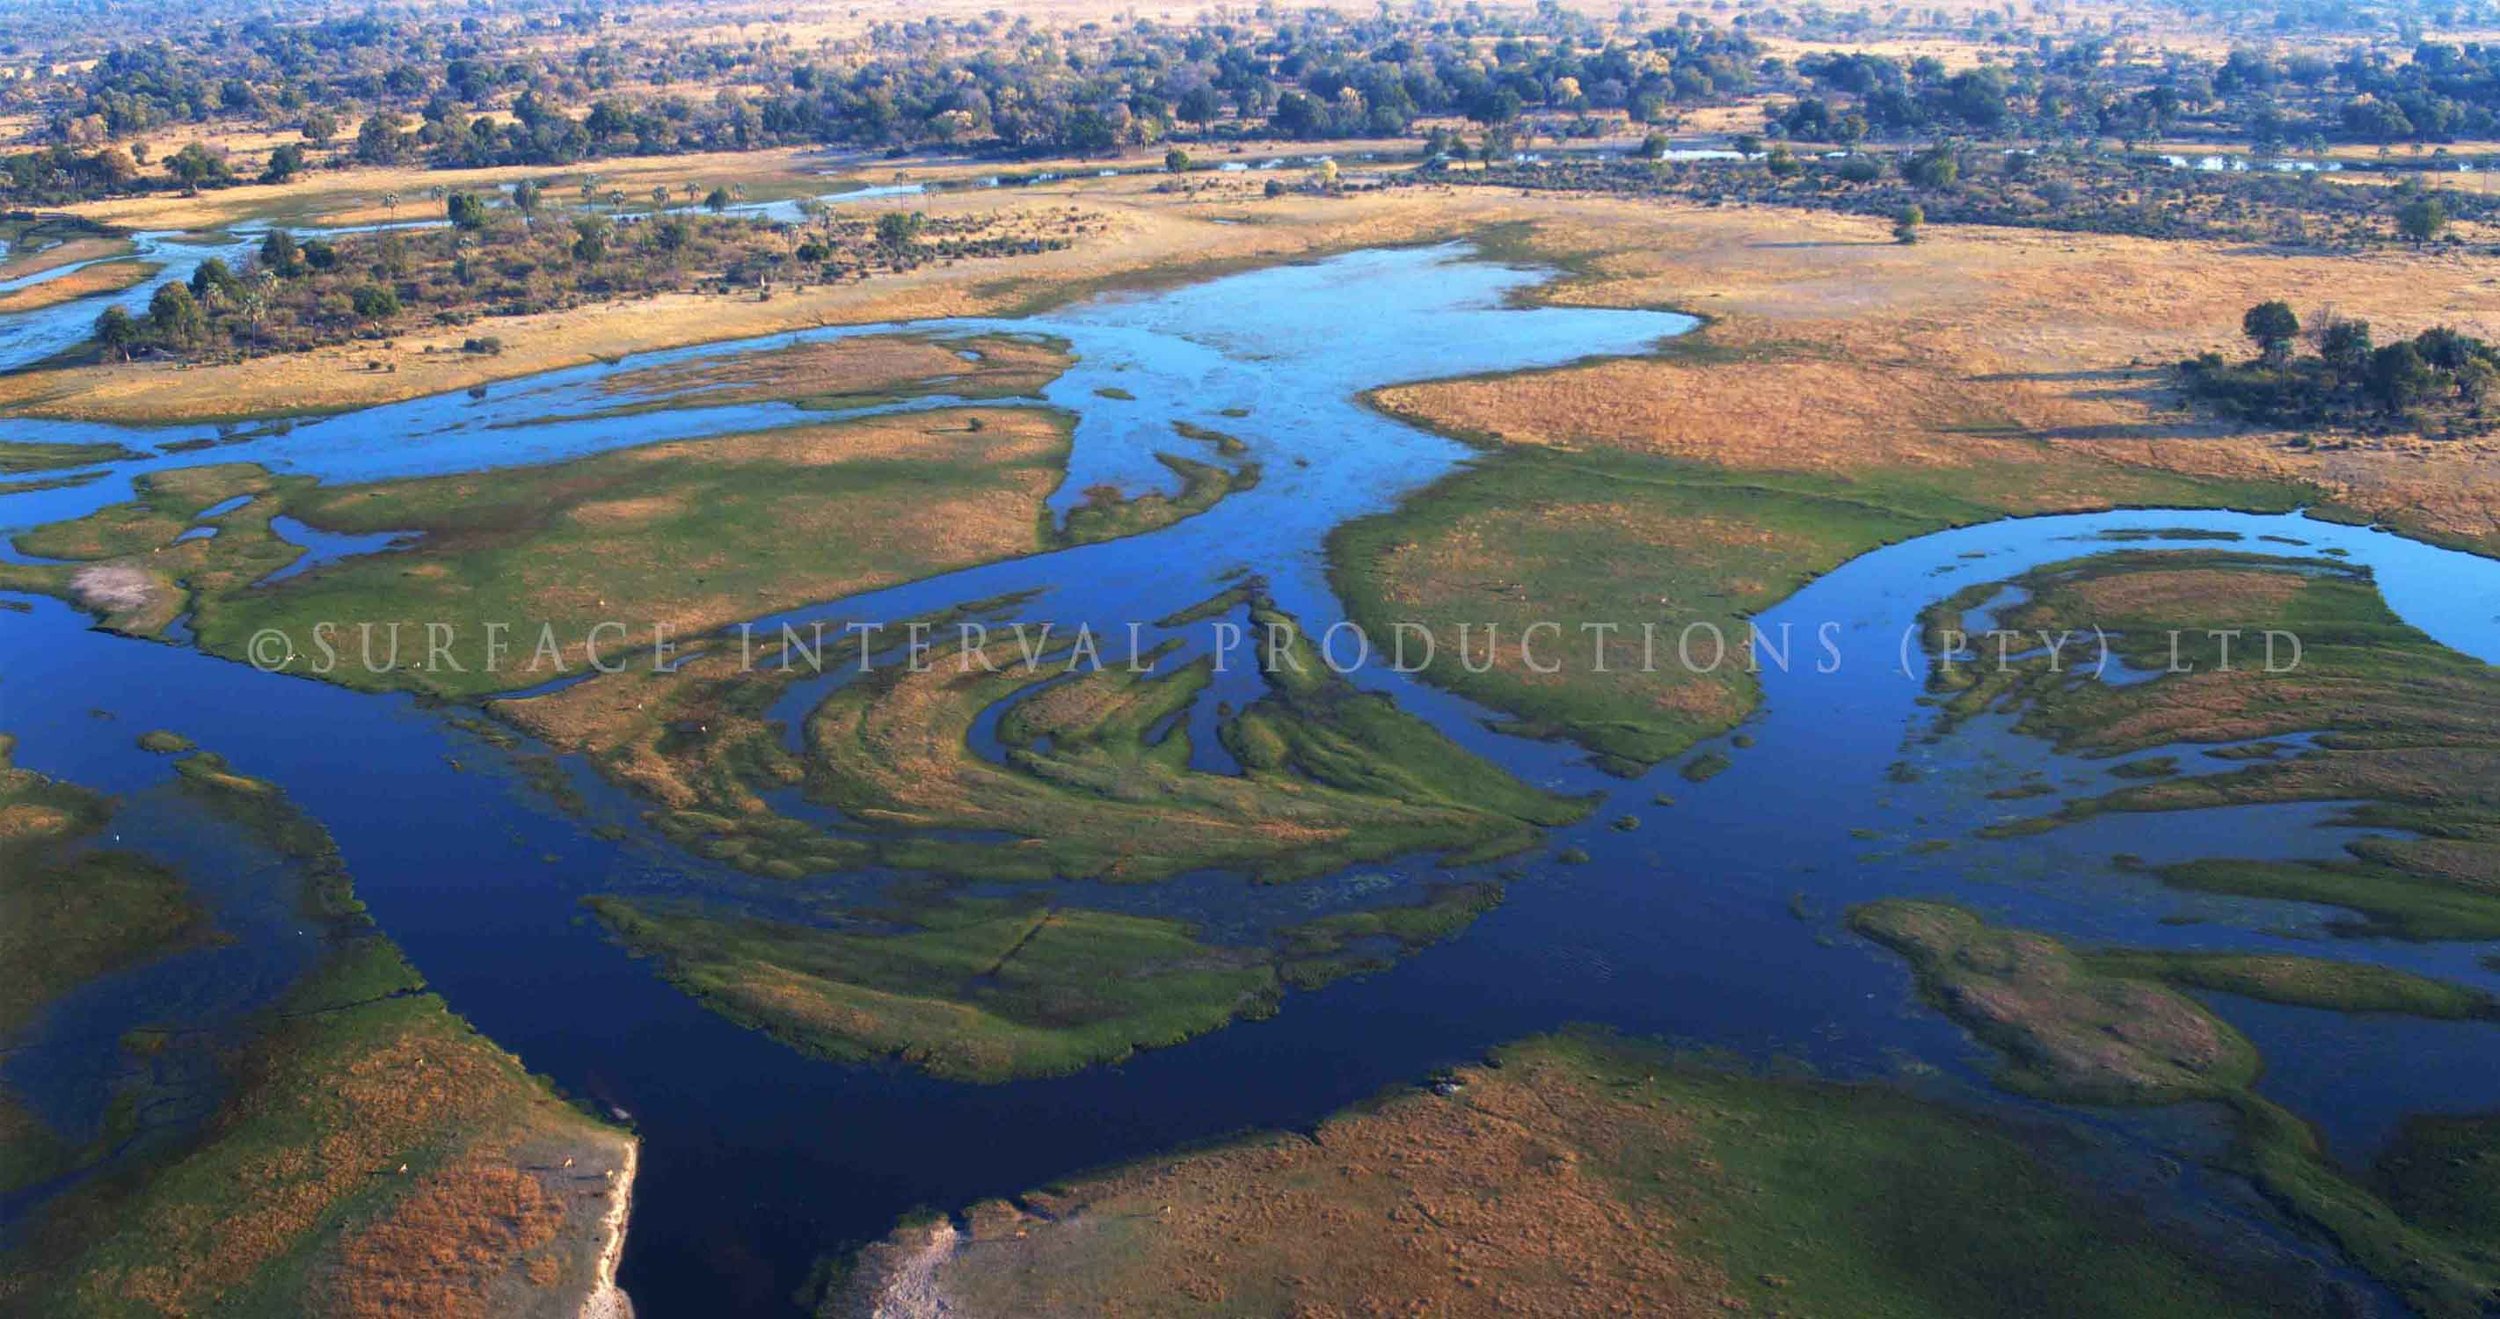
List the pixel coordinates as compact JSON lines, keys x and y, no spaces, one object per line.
{"x":118,"y":330}
{"x":213,"y":282}
{"x":590,"y":239}
{"x":176,"y":317}
{"x":379,"y":141}
{"x":896,"y":230}
{"x":254,"y":304}
{"x":717,"y":201}
{"x":285,"y":163}
{"x":194,"y":166}
{"x":2398,"y":377}
{"x":466,"y":210}
{"x":1936,"y":167}
{"x":1905,"y":223}
{"x":280,"y":256}
{"x":1200,"y":105}
{"x":320,"y":126}
{"x":525,"y":198}
{"x":1176,"y":161}
{"x":2345,"y":346}
{"x":375,"y":302}
{"x":672,"y":235}
{"x":2421,"y":219}
{"x":2272,"y":327}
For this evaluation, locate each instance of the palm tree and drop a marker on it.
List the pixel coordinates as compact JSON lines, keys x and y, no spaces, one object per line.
{"x":256,"y":304}
{"x":390,"y":204}
{"x":659,"y":195}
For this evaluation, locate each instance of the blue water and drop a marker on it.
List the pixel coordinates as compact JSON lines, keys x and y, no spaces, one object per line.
{"x":30,"y":337}
{"x":1716,"y":921}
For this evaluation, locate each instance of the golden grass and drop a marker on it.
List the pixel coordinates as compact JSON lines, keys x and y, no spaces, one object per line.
{"x":1490,"y":1203}
{"x":103,"y":277}
{"x":1144,"y":236}
{"x":1832,"y":348}
{"x":354,"y":196}
{"x":1835,"y":350}
{"x":70,"y":252}
{"x":854,"y":368}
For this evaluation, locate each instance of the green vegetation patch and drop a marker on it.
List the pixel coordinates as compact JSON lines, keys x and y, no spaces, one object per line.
{"x":32,"y":456}
{"x":1666,"y":1183}
{"x":839,"y":374}
{"x":2402,"y":727}
{"x":1331,"y":775}
{"x":370,"y":1143}
{"x":2307,"y":982}
{"x":70,"y":912}
{"x":1653,"y":567}
{"x":2068,"y":1030}
{"x":2083,"y":1029}
{"x":1351,"y":942}
{"x":1108,"y":513}
{"x":2443,"y":1172}
{"x":968,"y":988}
{"x":1824,"y":1198}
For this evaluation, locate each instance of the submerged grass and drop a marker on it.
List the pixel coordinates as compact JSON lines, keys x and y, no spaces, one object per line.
{"x":966,"y":988}
{"x":1330,"y":775}
{"x":373,"y":1151}
{"x":2403,"y":731}
{"x":991,"y":988}
{"x":71,"y":911}
{"x":2307,"y":982}
{"x":2108,"y":1029}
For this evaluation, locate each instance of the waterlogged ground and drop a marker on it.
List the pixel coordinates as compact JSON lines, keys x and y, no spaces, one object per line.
{"x":1708,"y":908}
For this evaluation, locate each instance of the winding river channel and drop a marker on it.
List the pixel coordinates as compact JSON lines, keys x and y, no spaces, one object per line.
{"x":1717,"y":921}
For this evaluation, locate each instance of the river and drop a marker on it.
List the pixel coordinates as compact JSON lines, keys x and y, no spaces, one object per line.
{"x":1716,"y":922}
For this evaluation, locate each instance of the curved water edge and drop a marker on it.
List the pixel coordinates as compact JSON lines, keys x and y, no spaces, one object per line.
{"x":1715,"y":922}
{"x":30,"y":337}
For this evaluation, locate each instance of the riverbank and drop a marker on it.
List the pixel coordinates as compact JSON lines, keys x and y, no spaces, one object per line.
{"x":2111,"y":1030}
{"x":85,"y":282}
{"x":606,"y":1299}
{"x":1569,"y":1174}
{"x":369,"y":1152}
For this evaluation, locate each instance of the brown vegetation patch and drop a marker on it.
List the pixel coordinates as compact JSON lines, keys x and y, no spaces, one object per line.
{"x":614,"y":513}
{"x":2136,"y":594}
{"x":103,"y":277}
{"x":1487,"y":1202}
{"x":870,"y":366}
{"x":22,"y":822}
{"x":440,"y":1248}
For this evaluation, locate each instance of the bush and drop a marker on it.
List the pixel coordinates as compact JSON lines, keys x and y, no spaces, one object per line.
{"x":374,"y":302}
